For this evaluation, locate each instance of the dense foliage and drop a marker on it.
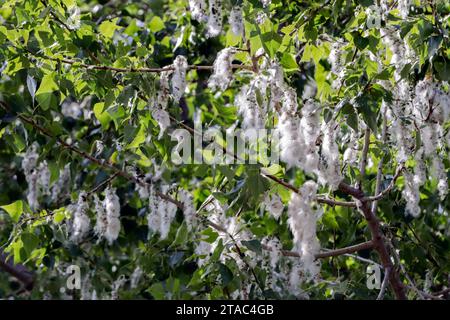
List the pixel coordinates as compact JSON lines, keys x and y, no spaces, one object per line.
{"x":91,"y":95}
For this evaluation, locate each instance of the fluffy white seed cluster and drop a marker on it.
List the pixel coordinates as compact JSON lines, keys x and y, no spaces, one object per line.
{"x":162,"y":213}
{"x":411,"y":194}
{"x":37,"y":176}
{"x":329,"y":168}
{"x":302,"y":223}
{"x":298,"y":135}
{"x":350,"y":156}
{"x":336,"y":59}
{"x":190,"y":215}
{"x":180,"y":65}
{"x":112,"y":209}
{"x":276,"y":267}
{"x":291,"y":139}
{"x":162,"y":117}
{"x":81,"y":222}
{"x":274,"y":205}
{"x":236,"y":21}
{"x":310,"y":128}
{"x":162,"y":99}
{"x":265,"y":92}
{"x":403,"y":7}
{"x":233,"y":232}
{"x":136,"y":277}
{"x":215,"y":18}
{"x":61,"y":188}
{"x":223,"y":72}
{"x":73,"y":21}
{"x":253,"y":116}
{"x":416,"y":111}
{"x":198,"y":10}
{"x":159,"y":112}
{"x":101,"y":221}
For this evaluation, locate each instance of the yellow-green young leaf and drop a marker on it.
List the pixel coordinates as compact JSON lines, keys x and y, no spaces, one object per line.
{"x":156,"y":24}
{"x":107,"y":28}
{"x":59,"y":215}
{"x":371,"y":68}
{"x":288,"y":62}
{"x":138,"y":139}
{"x":157,"y":291}
{"x":14,"y":210}
{"x":102,"y":116}
{"x":44,"y":95}
{"x":232,"y":39}
{"x":30,"y":242}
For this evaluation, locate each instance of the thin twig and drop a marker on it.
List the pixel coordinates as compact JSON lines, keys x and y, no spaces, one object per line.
{"x":387,"y":273}
{"x":79,"y":64}
{"x":380,"y":164}
{"x":364,"y":154}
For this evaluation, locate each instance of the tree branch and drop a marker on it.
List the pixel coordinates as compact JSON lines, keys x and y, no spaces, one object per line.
{"x":17,"y":271}
{"x":79,"y":64}
{"x":387,"y":273}
{"x":330,"y":253}
{"x":377,"y":238}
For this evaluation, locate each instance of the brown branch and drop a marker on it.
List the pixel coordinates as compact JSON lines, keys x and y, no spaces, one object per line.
{"x":101,"y":184}
{"x":323,"y":200}
{"x":378,"y":238}
{"x":79,"y":64}
{"x":391,"y":185}
{"x":332,"y":253}
{"x":18,"y":271}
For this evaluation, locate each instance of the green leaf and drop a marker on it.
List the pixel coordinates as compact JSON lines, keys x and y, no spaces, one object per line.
{"x":14,"y":210}
{"x":138,"y":139}
{"x":157,"y":291}
{"x":360,"y":42}
{"x":107,"y":28}
{"x":288,"y":62}
{"x":210,"y":234}
{"x":225,"y":274}
{"x":156,"y":24}
{"x":44,"y":95}
{"x":102,"y":116}
{"x":181,"y":236}
{"x":30,"y":242}
{"x":253,"y":245}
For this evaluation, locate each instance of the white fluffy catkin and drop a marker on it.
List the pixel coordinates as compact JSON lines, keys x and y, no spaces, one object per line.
{"x":198,"y":10}
{"x":102,"y":222}
{"x":81,"y":222}
{"x":236,"y":21}
{"x":29,"y":164}
{"x":214,"y":25}
{"x":112,"y":208}
{"x":411,"y":194}
{"x":274,"y":205}
{"x":180,"y":65}
{"x":162,"y":117}
{"x":329,"y":171}
{"x":302,"y":223}
{"x":162,"y":213}
{"x":223,"y":71}
{"x":188,"y":209}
